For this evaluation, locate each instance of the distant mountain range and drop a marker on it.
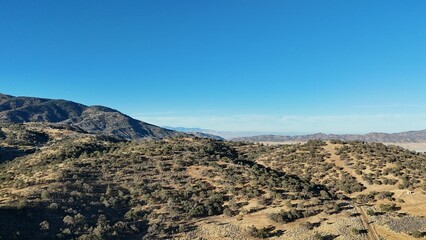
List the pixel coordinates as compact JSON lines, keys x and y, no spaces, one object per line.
{"x":107,"y":121}
{"x":92,"y":119}
{"x":198,"y":132}
{"x":223,"y":134}
{"x":403,"y":137}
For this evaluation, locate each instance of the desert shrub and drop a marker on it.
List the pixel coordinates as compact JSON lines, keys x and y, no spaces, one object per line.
{"x":292,"y":215}
{"x":389,"y":207}
{"x":44,"y":226}
{"x":260,"y":233}
{"x":371,"y":212}
{"x":418,"y":234}
{"x":318,"y":236}
{"x":228,"y":212}
{"x":307,"y":225}
{"x":348,"y":184}
{"x":356,"y":231}
{"x":385,"y":195}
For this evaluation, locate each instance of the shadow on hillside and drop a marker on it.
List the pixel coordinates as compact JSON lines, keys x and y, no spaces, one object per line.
{"x":26,"y":222}
{"x":23,"y":222}
{"x":330,"y":237}
{"x":10,"y":153}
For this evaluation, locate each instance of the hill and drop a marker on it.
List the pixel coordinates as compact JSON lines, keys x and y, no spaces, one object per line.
{"x":92,"y":119}
{"x":59,"y":182}
{"x":89,"y":187}
{"x":403,"y":137}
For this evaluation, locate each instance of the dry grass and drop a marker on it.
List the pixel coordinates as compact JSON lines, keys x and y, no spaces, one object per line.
{"x":414,"y":204}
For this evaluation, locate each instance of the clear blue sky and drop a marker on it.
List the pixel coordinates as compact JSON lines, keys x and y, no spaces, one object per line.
{"x":280,"y":66}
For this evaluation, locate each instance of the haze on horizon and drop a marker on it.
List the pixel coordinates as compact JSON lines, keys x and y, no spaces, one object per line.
{"x":275,"y":66}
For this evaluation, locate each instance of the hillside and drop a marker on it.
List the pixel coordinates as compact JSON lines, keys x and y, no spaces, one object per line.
{"x":403,"y":137}
{"x":63,"y":183}
{"x":92,"y":119}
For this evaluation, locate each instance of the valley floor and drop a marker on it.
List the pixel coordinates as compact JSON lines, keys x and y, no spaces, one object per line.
{"x":418,"y":147}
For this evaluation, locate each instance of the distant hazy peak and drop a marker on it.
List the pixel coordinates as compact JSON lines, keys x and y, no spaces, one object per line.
{"x":402,"y":137}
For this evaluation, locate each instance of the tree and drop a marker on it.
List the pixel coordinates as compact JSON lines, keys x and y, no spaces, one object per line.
{"x":44,"y":226}
{"x":260,"y":233}
{"x":68,"y":220}
{"x":79,"y":219}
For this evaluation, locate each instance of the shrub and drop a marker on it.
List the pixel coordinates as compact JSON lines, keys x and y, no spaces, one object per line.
{"x":356,"y":231}
{"x":292,"y":215}
{"x":44,"y":226}
{"x":388,"y":207}
{"x":371,"y":212}
{"x":260,"y":233}
{"x":418,"y":234}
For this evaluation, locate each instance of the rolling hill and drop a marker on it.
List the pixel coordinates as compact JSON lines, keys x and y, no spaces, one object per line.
{"x":63,"y":183}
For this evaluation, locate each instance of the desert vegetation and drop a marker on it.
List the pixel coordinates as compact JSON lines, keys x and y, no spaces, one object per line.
{"x":65,"y":184}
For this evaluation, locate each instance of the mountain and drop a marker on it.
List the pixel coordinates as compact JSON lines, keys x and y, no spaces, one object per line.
{"x":198,"y":132}
{"x":223,"y":134}
{"x":184,"y":129}
{"x":402,"y":137}
{"x":92,"y":119}
{"x":206,"y":135}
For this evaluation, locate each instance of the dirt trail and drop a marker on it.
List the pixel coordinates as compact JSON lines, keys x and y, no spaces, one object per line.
{"x":372,"y":234}
{"x":335,"y":159}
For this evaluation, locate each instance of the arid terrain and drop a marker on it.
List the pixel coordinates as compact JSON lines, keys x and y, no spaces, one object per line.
{"x":212,"y":120}
{"x":59,"y":183}
{"x":69,"y":171}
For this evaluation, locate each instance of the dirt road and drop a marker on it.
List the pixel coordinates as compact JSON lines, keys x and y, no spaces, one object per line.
{"x":372,"y":234}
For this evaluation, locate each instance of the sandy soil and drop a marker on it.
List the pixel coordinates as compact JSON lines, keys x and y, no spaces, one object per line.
{"x":418,"y":147}
{"x":415,"y":204}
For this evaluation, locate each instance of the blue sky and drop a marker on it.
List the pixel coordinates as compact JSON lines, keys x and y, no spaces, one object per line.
{"x":243,"y":65}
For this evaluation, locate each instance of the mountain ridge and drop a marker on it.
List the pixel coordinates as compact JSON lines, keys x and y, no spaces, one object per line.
{"x":400,"y":137}
{"x":93,"y":119}
{"x":197,"y":132}
{"x":228,"y":135}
